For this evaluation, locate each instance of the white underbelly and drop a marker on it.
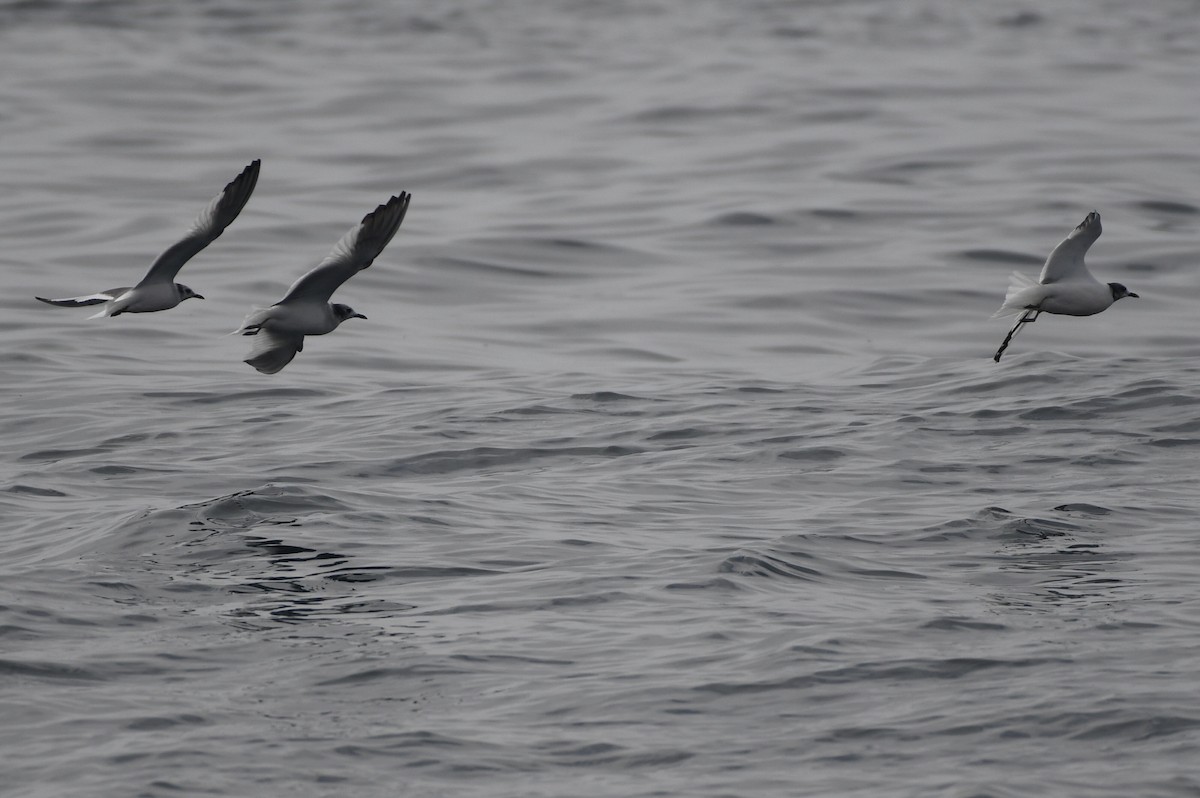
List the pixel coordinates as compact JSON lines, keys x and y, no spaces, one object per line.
{"x":1077,"y":300}
{"x":309,"y":319}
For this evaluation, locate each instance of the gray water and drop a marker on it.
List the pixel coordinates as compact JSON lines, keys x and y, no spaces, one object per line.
{"x":672,"y":460}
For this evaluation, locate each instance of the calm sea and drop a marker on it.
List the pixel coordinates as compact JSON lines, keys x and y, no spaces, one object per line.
{"x":672,"y":459}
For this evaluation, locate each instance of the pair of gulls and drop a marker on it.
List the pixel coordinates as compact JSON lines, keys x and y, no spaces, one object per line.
{"x":280,"y":329}
{"x":1065,"y":285}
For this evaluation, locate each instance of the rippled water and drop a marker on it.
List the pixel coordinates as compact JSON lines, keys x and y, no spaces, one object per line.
{"x":672,"y":459}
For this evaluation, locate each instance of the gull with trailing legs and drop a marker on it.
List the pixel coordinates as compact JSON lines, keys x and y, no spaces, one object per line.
{"x":1065,"y":285}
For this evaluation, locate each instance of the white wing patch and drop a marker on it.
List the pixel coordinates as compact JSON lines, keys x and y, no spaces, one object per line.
{"x":77,"y":301}
{"x":1066,"y":261}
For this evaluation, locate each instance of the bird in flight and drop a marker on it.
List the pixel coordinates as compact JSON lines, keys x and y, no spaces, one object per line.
{"x":158,"y":289}
{"x":1065,"y":285}
{"x":306,"y":310}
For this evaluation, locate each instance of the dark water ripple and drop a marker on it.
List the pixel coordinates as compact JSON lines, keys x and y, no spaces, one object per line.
{"x":808,"y":579}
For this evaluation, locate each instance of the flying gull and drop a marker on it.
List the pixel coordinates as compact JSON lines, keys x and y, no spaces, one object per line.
{"x":305,"y":310}
{"x":1065,"y":285}
{"x":158,"y":289}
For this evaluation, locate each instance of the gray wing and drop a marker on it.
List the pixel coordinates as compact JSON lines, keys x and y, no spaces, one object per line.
{"x":219,"y":214}
{"x":355,"y":252}
{"x":1066,"y":261}
{"x":272,"y":351}
{"x":82,"y":301}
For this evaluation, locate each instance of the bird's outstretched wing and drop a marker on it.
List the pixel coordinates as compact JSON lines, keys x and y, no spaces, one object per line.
{"x":272,"y":351}
{"x":1066,"y":261}
{"x":355,"y":252}
{"x":81,"y":301}
{"x":219,"y":214}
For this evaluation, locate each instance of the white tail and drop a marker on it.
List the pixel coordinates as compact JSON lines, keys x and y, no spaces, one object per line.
{"x":1018,"y":298}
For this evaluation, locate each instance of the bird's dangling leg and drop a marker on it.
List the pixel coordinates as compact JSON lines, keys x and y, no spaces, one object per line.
{"x":1025,"y":319}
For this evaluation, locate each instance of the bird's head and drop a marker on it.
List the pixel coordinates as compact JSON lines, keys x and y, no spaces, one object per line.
{"x":343,"y":312}
{"x":1119,"y":291}
{"x":186,"y":293}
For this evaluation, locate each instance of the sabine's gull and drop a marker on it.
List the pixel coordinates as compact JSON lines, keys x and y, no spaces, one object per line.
{"x":305,"y":310}
{"x":1065,"y":285}
{"x":158,"y":289}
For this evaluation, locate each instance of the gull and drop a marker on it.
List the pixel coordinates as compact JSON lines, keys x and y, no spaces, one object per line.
{"x":158,"y":289}
{"x":305,"y":309}
{"x":1065,"y":285}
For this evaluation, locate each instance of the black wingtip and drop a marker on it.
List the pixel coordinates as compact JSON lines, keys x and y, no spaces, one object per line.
{"x":399,"y":201}
{"x":249,"y":176}
{"x":244,"y":185}
{"x":402,"y":200}
{"x":252,"y":170}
